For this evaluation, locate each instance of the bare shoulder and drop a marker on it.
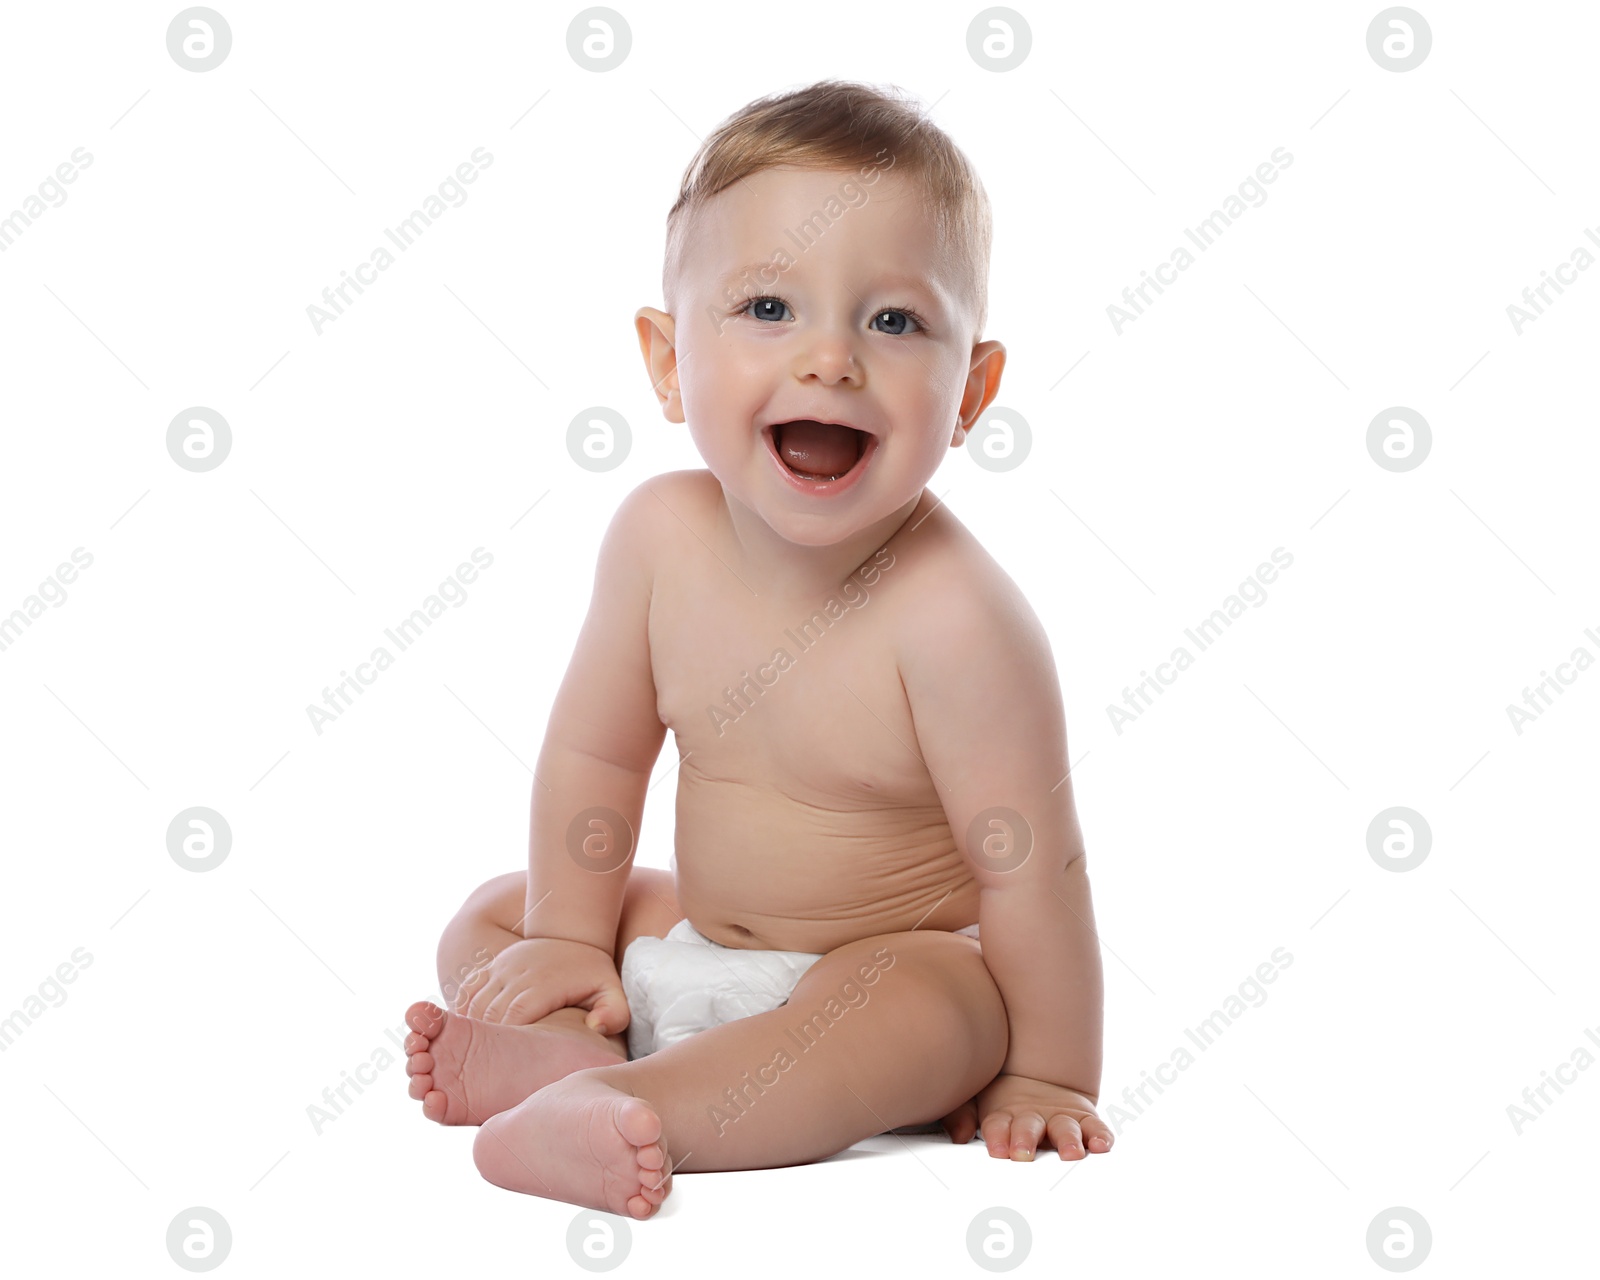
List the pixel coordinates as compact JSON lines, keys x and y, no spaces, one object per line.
{"x":959,"y":609}
{"x":661,"y":504}
{"x":659,"y":511}
{"x":695,"y":484}
{"x":984,"y":692}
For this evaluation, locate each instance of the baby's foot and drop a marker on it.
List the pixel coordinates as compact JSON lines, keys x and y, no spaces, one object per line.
{"x":582,"y":1141}
{"x":465,"y":1070}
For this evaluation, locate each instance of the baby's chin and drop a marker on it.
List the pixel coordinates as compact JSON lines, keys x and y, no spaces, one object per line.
{"x":818,"y":524}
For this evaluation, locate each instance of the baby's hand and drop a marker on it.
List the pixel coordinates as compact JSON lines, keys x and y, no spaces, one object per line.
{"x":1014,"y":1112}
{"x":533,"y":978}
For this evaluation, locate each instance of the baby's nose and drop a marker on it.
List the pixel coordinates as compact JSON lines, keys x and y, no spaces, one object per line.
{"x":828,"y":356}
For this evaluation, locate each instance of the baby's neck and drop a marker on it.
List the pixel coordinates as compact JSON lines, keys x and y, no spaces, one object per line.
{"x":772,"y":565}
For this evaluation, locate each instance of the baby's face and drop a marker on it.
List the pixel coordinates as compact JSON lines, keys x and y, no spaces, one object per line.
{"x":857,"y":317}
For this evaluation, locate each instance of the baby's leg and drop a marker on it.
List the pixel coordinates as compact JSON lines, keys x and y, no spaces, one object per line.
{"x":464,"y":1070}
{"x":840,"y":1062}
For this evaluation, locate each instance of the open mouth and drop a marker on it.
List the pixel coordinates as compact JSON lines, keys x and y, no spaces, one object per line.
{"x":819,"y":452}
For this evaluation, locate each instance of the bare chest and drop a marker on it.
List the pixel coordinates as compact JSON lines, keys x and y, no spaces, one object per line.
{"x":804,"y":698}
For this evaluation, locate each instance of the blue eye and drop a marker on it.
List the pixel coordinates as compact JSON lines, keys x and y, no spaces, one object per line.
{"x":899,"y":321}
{"x":762,"y":308}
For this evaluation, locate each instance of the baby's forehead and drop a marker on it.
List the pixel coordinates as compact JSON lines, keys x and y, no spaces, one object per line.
{"x":781,"y":189}
{"x":789,"y":215}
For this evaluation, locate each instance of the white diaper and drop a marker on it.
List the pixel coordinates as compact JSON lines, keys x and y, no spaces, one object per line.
{"x":685,"y":983}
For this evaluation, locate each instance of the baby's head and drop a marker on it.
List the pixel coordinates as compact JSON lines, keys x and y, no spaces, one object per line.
{"x":827,"y":263}
{"x":861,"y":132}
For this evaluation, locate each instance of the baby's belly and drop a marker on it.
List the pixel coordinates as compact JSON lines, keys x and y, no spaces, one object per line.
{"x":757,"y":868}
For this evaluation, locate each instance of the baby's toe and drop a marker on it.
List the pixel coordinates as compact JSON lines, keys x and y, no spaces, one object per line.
{"x":426,"y":1017}
{"x":434,"y":1104}
{"x":655,"y":1171}
{"x":638,"y":1124}
{"x":639,"y":1207}
{"x":652,"y":1158}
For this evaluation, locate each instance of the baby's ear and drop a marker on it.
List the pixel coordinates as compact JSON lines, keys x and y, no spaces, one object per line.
{"x":983,"y":379}
{"x":656,"y":330}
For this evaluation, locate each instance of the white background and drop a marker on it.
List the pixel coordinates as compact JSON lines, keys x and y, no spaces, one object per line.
{"x":367,"y":462}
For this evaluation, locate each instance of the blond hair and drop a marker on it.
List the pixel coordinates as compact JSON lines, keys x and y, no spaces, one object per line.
{"x":840,"y":124}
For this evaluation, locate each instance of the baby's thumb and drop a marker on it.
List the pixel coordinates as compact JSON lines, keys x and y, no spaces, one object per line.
{"x":610,"y":1013}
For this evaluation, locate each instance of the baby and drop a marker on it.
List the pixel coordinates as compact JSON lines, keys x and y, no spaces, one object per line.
{"x":872,"y":758}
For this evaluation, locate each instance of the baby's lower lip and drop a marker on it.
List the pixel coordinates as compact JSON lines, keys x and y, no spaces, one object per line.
{"x":821,"y":488}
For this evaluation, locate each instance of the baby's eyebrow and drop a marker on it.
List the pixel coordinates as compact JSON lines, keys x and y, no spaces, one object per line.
{"x":750,"y":270}
{"x":758,"y":274}
{"x":899,"y":280}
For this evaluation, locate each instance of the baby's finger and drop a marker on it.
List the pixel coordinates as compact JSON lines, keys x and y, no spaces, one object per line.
{"x":468,"y":988}
{"x":499,"y":1008}
{"x":610,"y":1013}
{"x":1067,"y":1137}
{"x":962,"y":1123}
{"x":1026,"y":1130}
{"x":996,"y":1133}
{"x":1097,"y":1135}
{"x":479,"y":1004}
{"x":524,"y":1008}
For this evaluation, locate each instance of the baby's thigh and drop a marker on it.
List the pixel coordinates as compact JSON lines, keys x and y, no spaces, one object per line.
{"x":928,"y":980}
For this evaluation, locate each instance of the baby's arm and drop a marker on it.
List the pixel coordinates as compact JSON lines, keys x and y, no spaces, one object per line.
{"x":601,"y":741}
{"x":987,"y":705}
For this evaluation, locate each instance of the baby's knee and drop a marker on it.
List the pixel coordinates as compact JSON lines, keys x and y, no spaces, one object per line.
{"x":501,"y":900}
{"x":951,"y":984}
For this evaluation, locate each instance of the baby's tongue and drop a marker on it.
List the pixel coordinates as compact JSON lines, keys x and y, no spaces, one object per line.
{"x":817,"y":448}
